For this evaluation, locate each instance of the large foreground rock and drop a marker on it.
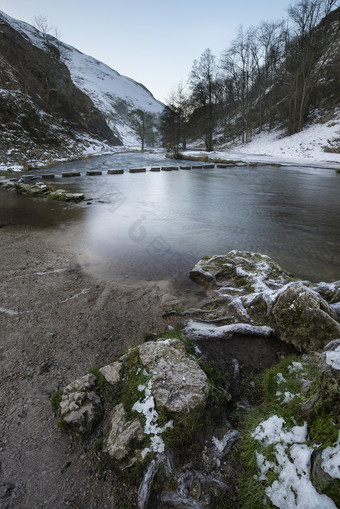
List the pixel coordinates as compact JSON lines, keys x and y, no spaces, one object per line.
{"x":304,"y":319}
{"x":251,"y":288}
{"x":178,"y":383}
{"x":148,"y":379}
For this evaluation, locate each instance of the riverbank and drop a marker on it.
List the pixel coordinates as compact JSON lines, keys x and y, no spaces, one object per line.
{"x":57,"y":322}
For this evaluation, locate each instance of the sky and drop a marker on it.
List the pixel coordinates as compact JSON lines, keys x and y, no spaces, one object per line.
{"x":153,"y":42}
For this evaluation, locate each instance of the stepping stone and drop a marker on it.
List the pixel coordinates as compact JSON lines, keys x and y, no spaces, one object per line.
{"x":70,"y":174}
{"x":155,"y":169}
{"x":92,"y":173}
{"x":137,"y":170}
{"x":47,"y":175}
{"x":115,"y":172}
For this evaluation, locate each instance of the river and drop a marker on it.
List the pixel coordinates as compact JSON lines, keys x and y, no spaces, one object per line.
{"x":157,"y":225}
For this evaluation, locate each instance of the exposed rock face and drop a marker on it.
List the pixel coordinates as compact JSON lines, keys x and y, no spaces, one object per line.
{"x":329,"y":378}
{"x":168,"y":379}
{"x":304,"y":319}
{"x":81,"y":406}
{"x":41,"y":92}
{"x":119,"y":435}
{"x":250,"y":288}
{"x":178,"y":383}
{"x":112,"y":372}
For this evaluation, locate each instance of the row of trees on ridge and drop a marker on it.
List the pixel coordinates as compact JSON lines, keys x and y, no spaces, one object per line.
{"x":271,"y":74}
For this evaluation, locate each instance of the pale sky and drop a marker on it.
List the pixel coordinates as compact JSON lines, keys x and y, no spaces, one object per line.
{"x":152,"y":41}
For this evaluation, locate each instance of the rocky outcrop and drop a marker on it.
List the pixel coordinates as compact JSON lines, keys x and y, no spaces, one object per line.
{"x":251,"y":290}
{"x":327,"y":390}
{"x":39,"y":189}
{"x":150,"y":378}
{"x":178,"y":383}
{"x":304,"y":319}
{"x":165,"y":417}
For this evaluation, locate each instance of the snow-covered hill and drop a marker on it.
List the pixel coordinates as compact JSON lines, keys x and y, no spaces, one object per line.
{"x":317,"y":145}
{"x":114,"y":95}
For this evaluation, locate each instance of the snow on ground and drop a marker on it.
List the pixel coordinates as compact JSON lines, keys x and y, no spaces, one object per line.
{"x":113,"y":94}
{"x":304,"y":148}
{"x":293,"y":488}
{"x":147,"y":408}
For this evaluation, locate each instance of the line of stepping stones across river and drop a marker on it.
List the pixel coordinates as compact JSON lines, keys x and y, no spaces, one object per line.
{"x":21,"y":186}
{"x":134,"y":170}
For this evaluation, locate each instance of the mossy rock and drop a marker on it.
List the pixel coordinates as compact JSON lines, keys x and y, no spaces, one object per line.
{"x":304,"y":319}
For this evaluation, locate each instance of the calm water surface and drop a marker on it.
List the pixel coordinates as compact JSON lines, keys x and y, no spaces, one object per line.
{"x":157,"y":225}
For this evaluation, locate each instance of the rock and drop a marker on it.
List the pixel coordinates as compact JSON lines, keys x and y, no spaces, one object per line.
{"x":74,"y":197}
{"x":70,"y":174}
{"x":304,"y":319}
{"x":81,"y":407}
{"x":329,"y":378}
{"x":137,"y":170}
{"x":92,"y":173}
{"x":122,"y":438}
{"x":320,"y":479}
{"x":242,"y":270}
{"x":329,"y":291}
{"x":115,"y":172}
{"x":178,"y":383}
{"x":112,"y":372}
{"x":328,"y":384}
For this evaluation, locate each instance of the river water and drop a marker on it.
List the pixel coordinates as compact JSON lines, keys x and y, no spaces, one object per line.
{"x":157,"y":225}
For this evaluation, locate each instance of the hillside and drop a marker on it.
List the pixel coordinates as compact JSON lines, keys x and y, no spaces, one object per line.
{"x":274,"y":82}
{"x":56,"y":102}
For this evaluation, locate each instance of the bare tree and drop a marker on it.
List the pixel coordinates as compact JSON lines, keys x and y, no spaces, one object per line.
{"x":142,"y":123}
{"x":41,"y":23}
{"x":304,"y":47}
{"x":202,"y":83}
{"x":238,"y":63}
{"x":178,"y":102}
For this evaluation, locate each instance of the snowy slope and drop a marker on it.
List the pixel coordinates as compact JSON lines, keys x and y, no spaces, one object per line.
{"x":304,"y":148}
{"x":114,"y":95}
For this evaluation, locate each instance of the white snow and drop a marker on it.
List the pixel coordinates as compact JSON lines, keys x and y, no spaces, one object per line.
{"x":295,"y":366}
{"x":333,"y":358}
{"x":229,"y":436}
{"x":84,"y":291}
{"x":280,"y":378}
{"x":8,"y":311}
{"x":303,"y":148}
{"x":204,"y":330}
{"x":113,"y":94}
{"x":331,"y":460}
{"x":293,"y":488}
{"x":147,"y":408}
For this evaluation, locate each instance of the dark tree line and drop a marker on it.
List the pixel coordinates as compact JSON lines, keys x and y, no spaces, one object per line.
{"x":272,"y":73}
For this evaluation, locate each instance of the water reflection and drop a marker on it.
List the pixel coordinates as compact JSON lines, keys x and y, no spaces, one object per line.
{"x":156,"y":225}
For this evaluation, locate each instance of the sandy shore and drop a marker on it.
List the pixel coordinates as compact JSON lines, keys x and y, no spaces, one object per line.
{"x":57,"y":322}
